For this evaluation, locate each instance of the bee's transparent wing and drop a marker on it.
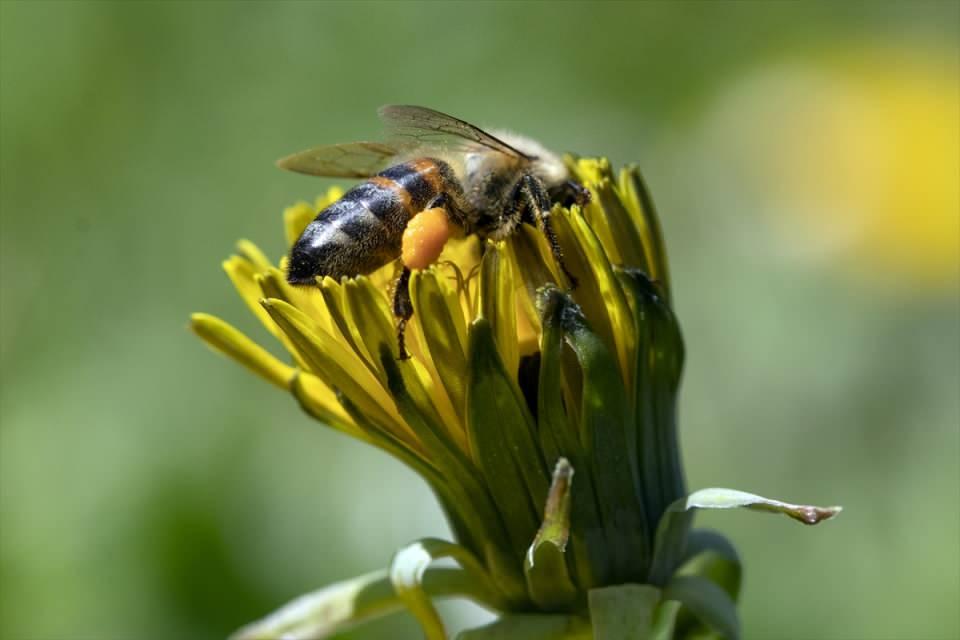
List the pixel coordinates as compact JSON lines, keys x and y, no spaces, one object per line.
{"x":423,"y":127}
{"x":349,"y":160}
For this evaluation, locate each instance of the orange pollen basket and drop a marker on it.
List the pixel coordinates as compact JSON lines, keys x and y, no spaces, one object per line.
{"x":424,"y":238}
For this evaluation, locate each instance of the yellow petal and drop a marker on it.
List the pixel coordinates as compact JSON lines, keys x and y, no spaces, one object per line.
{"x":253,"y":254}
{"x":330,"y":361}
{"x":320,"y":401}
{"x":242,"y":274}
{"x":273,"y":284}
{"x":334,"y":297}
{"x":438,"y":318}
{"x":498,"y":304}
{"x":229,"y":341}
{"x":637,"y":201}
{"x":614,"y":300}
{"x":531,"y":257}
{"x":598,"y":291}
{"x":332,"y":195}
{"x":296,"y":219}
{"x":374,"y":326}
{"x":370,"y":320}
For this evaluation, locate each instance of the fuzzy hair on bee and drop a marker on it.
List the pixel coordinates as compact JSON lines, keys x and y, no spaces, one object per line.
{"x":435,"y":176}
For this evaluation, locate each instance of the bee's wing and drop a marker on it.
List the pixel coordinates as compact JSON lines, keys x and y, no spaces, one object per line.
{"x":350,"y":160}
{"x":420,"y":126}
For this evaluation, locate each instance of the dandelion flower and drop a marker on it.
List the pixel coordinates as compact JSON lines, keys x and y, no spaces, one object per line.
{"x":543,"y":419}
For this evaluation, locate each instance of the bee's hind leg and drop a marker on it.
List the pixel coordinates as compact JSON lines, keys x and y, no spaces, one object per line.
{"x":402,"y":310}
{"x":532,"y":196}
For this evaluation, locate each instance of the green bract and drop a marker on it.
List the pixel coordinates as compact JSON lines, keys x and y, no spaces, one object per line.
{"x":544,"y":420}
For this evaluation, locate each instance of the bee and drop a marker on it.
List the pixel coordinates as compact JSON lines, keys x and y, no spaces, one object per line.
{"x":436,"y":176}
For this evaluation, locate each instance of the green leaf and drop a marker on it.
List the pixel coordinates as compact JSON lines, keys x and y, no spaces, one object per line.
{"x":531,"y":627}
{"x":671,"y":531}
{"x":545,"y":566}
{"x":716,"y":498}
{"x":623,"y":612}
{"x":407,"y":570}
{"x":501,"y":434}
{"x":342,"y":605}
{"x":709,"y":604}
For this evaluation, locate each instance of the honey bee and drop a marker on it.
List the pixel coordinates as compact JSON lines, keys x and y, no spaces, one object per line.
{"x":436,"y":176}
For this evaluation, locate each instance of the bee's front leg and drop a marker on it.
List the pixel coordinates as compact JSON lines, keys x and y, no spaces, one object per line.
{"x":402,"y":310}
{"x":533,"y":197}
{"x":569,"y":193}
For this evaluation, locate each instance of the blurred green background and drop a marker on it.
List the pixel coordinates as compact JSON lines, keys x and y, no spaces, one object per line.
{"x":804,"y":158}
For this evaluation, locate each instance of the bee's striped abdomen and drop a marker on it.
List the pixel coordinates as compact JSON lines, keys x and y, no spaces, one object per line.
{"x":421,"y":180}
{"x":362,"y":231}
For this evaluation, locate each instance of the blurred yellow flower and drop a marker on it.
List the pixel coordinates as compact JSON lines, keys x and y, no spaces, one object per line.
{"x":855,"y":157}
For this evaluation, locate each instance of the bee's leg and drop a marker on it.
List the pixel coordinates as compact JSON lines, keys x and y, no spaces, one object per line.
{"x":441,"y":200}
{"x":570,"y":193}
{"x":402,"y":310}
{"x":533,"y":197}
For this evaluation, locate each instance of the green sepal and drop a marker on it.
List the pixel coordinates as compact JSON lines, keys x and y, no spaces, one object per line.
{"x":710,"y":555}
{"x":708,"y":603}
{"x":470,"y":499}
{"x":545,"y":566}
{"x":604,"y":421}
{"x":501,"y":434}
{"x":415,"y":406}
{"x":559,"y":437}
{"x":624,"y":612}
{"x":665,"y":620}
{"x":657,"y":365}
{"x":468,"y":525}
{"x":531,"y":627}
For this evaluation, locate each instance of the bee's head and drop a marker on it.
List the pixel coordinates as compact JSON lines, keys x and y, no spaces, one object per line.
{"x":547,"y":165}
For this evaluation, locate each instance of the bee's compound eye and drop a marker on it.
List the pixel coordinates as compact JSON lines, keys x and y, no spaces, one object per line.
{"x":424,"y":238}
